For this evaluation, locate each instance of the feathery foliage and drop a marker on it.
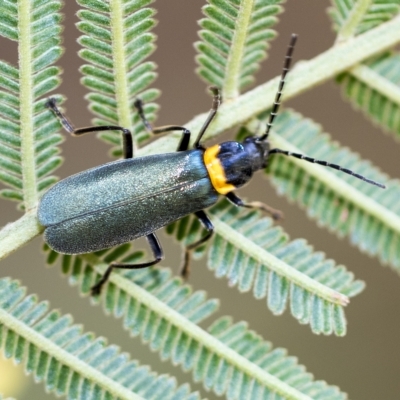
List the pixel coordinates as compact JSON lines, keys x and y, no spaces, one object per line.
{"x":250,"y":345}
{"x":163,"y":312}
{"x":84,"y":270}
{"x":89,"y":368}
{"x":25,"y":125}
{"x":235,"y":35}
{"x":116,"y":41}
{"x":253,"y":254}
{"x":374,"y":88}
{"x":369,"y":216}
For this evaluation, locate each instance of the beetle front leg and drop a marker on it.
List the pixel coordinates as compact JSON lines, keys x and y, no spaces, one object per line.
{"x":213,"y":112}
{"x":237,"y":201}
{"x":202,"y":216}
{"x":158,"y":255}
{"x":127,"y":145}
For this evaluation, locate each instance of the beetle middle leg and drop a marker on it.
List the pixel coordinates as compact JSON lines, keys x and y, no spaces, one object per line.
{"x":127,"y":145}
{"x":202,"y":216}
{"x":183,"y":144}
{"x":237,"y":201}
{"x":158,"y":256}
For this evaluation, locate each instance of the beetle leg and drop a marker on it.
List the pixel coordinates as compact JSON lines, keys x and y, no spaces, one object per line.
{"x":237,"y":201}
{"x":158,"y":255}
{"x":127,"y":136}
{"x":202,"y":216}
{"x":215,"y":104}
{"x":184,"y":143}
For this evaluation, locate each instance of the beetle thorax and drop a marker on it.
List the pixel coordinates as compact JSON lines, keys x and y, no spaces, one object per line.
{"x":231,"y":164}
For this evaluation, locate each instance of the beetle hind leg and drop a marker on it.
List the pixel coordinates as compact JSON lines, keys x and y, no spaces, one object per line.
{"x":202,"y":216}
{"x":158,"y":256}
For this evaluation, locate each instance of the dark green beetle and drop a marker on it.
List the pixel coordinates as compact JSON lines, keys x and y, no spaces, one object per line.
{"x":127,"y":199}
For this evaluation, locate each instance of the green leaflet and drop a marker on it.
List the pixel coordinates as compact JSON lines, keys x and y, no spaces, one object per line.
{"x":235,"y":37}
{"x":116,"y":41}
{"x":257,"y":256}
{"x":369,"y":216}
{"x":9,"y":20}
{"x":374,"y":88}
{"x":371,"y":13}
{"x":26,"y":126}
{"x":70,"y":362}
{"x":166,"y":313}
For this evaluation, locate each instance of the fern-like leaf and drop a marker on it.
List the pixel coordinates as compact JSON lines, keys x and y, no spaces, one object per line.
{"x":260,"y":352}
{"x":235,"y":37}
{"x":116,"y":42}
{"x":353,"y":17}
{"x":28,"y":138}
{"x":374,"y":88}
{"x":71,"y":362}
{"x":228,"y":359}
{"x":368,"y":215}
{"x":253,"y":254}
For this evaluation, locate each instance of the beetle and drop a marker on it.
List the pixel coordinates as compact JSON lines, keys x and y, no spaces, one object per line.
{"x":123,"y":200}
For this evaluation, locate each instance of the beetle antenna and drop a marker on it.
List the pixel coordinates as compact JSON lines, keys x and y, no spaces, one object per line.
{"x":326,"y":164}
{"x":285,"y":70}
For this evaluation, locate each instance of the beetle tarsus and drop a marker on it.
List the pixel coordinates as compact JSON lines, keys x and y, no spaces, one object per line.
{"x":237,"y":201}
{"x":158,"y":256}
{"x":185,"y":269}
{"x":275,"y":214}
{"x":96,"y":289}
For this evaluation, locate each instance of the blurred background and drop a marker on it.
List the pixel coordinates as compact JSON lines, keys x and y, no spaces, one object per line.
{"x":365,"y":363}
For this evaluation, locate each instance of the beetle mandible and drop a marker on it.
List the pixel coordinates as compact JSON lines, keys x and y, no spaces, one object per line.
{"x":123,"y":200}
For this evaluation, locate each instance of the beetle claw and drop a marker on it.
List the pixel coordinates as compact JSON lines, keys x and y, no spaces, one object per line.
{"x":50,"y":103}
{"x":95,"y":290}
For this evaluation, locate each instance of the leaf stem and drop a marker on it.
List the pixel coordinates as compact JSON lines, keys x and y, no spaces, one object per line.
{"x":354,"y":19}
{"x":234,"y":63}
{"x":342,"y":188}
{"x":304,"y":76}
{"x":377,"y":82}
{"x":120,"y":71}
{"x":26,"y":104}
{"x":18,"y":233}
{"x":277,"y":265}
{"x":196,"y":333}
